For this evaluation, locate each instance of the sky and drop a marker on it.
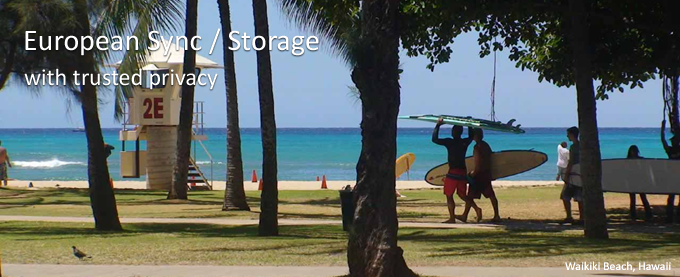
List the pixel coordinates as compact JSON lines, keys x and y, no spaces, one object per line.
{"x":312,"y":90}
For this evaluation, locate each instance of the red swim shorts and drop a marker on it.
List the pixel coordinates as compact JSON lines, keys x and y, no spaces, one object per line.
{"x":451,"y":185}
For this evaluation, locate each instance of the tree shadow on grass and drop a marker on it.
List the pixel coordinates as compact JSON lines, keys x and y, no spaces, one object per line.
{"x":507,"y":244}
{"x":327,"y":201}
{"x":308,"y":216}
{"x":291,"y":245}
{"x":614,"y":225}
{"x":125,"y":197}
{"x":51,"y":231}
{"x":30,"y":201}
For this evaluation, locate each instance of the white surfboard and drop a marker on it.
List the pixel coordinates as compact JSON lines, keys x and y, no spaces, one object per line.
{"x":651,"y":176}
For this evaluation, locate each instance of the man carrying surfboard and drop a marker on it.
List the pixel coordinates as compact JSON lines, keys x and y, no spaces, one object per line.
{"x":570,"y":191}
{"x":456,"y":179}
{"x":481,"y":175}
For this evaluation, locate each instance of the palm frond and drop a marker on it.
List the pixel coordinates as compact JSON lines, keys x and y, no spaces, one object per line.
{"x":336,"y":23}
{"x":136,"y":18}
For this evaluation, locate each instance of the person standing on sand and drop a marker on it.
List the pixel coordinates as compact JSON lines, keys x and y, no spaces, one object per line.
{"x":562,"y":160}
{"x":634,"y":153}
{"x":570,"y":191}
{"x":673,"y":152}
{"x":455,"y":180}
{"x":4,"y":162}
{"x":481,"y":176}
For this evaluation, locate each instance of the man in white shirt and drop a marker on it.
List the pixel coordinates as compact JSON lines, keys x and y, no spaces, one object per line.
{"x":562,"y":160}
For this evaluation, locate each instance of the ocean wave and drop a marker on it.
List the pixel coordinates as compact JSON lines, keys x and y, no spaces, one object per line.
{"x":208,"y":162}
{"x":44,"y":164}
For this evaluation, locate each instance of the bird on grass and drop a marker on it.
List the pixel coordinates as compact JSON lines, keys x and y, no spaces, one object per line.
{"x":80,"y":254}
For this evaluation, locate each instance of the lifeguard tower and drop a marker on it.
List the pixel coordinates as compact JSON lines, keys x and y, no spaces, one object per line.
{"x":152,"y":115}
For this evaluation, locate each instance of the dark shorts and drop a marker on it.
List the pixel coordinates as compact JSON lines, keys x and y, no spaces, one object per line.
{"x":570,"y":191}
{"x":3,"y":171}
{"x":481,"y":186}
{"x":455,"y":181}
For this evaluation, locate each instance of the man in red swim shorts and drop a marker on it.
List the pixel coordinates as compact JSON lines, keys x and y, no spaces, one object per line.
{"x":455,"y":180}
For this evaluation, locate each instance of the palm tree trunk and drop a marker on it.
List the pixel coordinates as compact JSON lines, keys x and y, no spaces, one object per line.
{"x":269,"y":225}
{"x":234,"y":195}
{"x":102,"y":199}
{"x":372,"y":249}
{"x":591,"y":166}
{"x":178,"y":189}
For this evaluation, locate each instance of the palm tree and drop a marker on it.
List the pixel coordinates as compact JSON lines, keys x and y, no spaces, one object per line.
{"x":269,"y":202}
{"x":178,"y":189}
{"x":73,"y":18}
{"x":234,"y":194}
{"x":101,"y":193}
{"x":366,"y":36}
{"x":116,"y":19}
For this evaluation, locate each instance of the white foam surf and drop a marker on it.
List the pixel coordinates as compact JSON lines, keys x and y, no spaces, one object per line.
{"x":44,"y":164}
{"x":208,"y":162}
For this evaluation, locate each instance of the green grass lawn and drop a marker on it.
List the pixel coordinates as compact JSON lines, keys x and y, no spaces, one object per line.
{"x":187,"y":244}
{"x":42,"y":242}
{"x":529,"y":204}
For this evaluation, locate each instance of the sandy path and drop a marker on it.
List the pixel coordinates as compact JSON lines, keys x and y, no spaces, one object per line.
{"x":283,"y":185}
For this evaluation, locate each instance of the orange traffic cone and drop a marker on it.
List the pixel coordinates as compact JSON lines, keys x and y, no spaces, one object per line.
{"x":260,"y":187}
{"x":323,"y":183}
{"x":254,"y":178}
{"x":317,"y":178}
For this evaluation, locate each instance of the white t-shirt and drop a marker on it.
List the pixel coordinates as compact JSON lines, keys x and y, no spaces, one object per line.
{"x":562,"y":156}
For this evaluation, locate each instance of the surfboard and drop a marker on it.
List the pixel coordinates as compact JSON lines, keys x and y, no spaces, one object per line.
{"x":503,"y":164}
{"x":404,"y":164}
{"x":651,"y":176}
{"x":468,"y":121}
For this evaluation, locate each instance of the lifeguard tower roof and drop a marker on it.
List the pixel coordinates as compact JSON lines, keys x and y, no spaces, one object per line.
{"x":175,"y":56}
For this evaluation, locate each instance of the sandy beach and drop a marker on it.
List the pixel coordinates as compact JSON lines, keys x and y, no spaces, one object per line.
{"x":283,"y":185}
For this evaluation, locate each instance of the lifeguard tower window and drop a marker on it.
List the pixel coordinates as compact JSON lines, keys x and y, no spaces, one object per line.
{"x":155,"y":79}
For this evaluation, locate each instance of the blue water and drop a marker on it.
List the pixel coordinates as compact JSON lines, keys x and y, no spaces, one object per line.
{"x":303,"y":154}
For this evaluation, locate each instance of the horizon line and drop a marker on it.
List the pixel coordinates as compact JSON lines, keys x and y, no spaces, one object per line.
{"x":356,"y":127}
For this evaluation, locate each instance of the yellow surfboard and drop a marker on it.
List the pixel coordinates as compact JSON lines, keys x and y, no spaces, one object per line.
{"x":404,"y":164}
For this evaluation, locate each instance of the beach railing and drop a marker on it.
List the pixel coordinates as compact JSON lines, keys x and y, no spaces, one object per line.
{"x":210,"y":159}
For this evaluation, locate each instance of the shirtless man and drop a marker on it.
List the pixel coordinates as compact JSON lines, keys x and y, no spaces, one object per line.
{"x":570,"y":191}
{"x":673,"y":152}
{"x":481,"y":176}
{"x":456,"y":178}
{"x":4,"y":162}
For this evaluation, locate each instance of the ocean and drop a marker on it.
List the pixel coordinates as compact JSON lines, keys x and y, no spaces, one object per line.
{"x":303,"y":153}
